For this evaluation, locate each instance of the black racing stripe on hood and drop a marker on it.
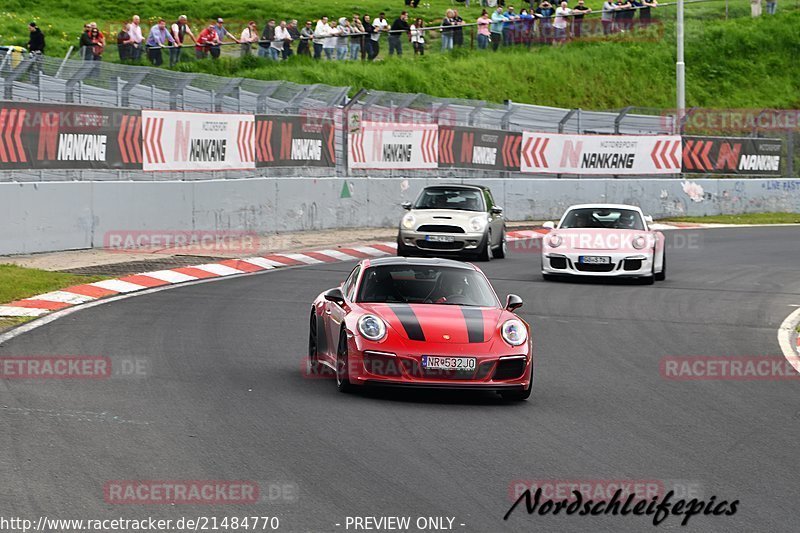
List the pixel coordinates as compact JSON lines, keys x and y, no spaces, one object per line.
{"x":474,"y":319}
{"x":409,"y":320}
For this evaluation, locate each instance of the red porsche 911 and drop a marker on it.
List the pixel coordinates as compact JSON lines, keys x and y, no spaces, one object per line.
{"x":421,"y":323}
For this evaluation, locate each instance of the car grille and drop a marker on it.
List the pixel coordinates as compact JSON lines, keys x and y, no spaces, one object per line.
{"x":595,"y":267}
{"x":558,"y":262}
{"x":632,"y":264}
{"x":509,"y":369}
{"x":440,"y":228}
{"x":432,"y":245}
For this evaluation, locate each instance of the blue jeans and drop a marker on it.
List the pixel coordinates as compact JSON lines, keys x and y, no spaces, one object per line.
{"x":263,"y":52}
{"x":274,"y":54}
{"x":341,"y":53}
{"x":772,"y":7}
{"x":447,"y":41}
{"x":329,"y":53}
{"x":355,"y":51}
{"x":483,"y":41}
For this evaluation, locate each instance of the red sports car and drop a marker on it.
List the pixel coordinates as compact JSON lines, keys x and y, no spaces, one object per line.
{"x":421,"y":323}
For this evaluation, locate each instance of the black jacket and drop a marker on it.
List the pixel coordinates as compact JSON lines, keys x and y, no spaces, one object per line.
{"x":36,"y":44}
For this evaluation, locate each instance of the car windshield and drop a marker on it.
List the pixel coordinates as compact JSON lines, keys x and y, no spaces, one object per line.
{"x":591,"y":217}
{"x":426,"y":285}
{"x":450,"y":198}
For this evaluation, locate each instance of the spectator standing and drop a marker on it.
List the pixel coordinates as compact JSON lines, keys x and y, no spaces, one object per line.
{"x":204,"y":42}
{"x":525,"y":27}
{"x":645,"y":16}
{"x":125,"y":43}
{"x":447,"y":30}
{"x":158,"y":39}
{"x":458,"y":30}
{"x":222,"y":33}
{"x":294,"y":33}
{"x":381,"y":26}
{"x":329,"y":46}
{"x":356,"y":36}
{"x":98,"y":42}
{"x":306,"y":39}
{"x":607,"y":16}
{"x":369,"y":29}
{"x":417,"y":37}
{"x":623,"y":15}
{"x":560,"y":24}
{"x":755,"y":8}
{"x":508,"y":26}
{"x":399,"y":28}
{"x":343,"y":40}
{"x":579,"y":11}
{"x":267,"y":36}
{"x":180,"y":29}
{"x":249,"y":37}
{"x":276,"y":46}
{"x":85,"y":43}
{"x":545,"y":11}
{"x":36,"y":42}
{"x":137,"y":39}
{"x":498,"y":19}
{"x":483,"y":30}
{"x":772,"y":6}
{"x":321,"y":34}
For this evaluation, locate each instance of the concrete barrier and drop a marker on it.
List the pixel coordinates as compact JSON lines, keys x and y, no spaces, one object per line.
{"x":42,"y":217}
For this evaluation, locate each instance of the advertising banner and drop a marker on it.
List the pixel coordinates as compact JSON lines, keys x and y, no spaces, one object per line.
{"x":288,"y":141}
{"x":473,"y":148}
{"x":551,"y":153}
{"x":177,"y":140}
{"x":732,"y":155}
{"x":389,"y":146}
{"x":52,"y":136}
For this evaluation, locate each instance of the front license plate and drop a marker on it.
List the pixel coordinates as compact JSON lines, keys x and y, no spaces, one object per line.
{"x":594,"y":259}
{"x":448,"y":363}
{"x":440,"y":238}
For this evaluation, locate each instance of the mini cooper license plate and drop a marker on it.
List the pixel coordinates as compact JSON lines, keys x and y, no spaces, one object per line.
{"x":448,"y":363}
{"x":594,"y":259}
{"x":440,"y":238}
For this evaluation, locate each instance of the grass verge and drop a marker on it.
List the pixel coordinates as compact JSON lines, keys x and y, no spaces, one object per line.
{"x":748,"y":218}
{"x":19,"y":282}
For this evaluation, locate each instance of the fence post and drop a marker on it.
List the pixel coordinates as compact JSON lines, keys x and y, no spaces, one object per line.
{"x":620,"y":118}
{"x":346,"y":127}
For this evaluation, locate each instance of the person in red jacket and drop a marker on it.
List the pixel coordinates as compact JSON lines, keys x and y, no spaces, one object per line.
{"x":207,"y":38}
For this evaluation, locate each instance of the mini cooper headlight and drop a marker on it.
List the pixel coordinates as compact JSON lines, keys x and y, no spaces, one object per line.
{"x":639,"y":242}
{"x":514,"y":332}
{"x":477,"y":223}
{"x":409,"y":220}
{"x":371,"y":327}
{"x":554,"y":241}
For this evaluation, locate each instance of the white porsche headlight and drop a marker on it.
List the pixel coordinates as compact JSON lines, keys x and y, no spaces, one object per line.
{"x":409,"y":220}
{"x":554,"y":241}
{"x":514,"y":332}
{"x":477,"y":223}
{"x":371,"y":327}
{"x":639,"y":242}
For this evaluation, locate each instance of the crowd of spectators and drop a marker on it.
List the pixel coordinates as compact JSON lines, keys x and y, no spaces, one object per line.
{"x":360,"y":37}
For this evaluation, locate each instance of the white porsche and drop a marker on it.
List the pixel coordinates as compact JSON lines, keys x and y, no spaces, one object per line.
{"x":606,"y":240}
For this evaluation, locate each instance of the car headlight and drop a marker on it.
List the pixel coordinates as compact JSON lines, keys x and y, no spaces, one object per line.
{"x":554,"y":241}
{"x":639,"y":242}
{"x":514,"y":332}
{"x":409,"y":220}
{"x":477,"y":223}
{"x":371,"y":327}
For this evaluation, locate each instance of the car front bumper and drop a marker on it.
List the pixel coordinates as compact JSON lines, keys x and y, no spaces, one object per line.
{"x":567,"y":263}
{"x":462,"y":243}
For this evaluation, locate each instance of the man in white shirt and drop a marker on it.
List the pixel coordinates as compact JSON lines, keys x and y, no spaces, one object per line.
{"x":135,"y":32}
{"x":180,"y":30}
{"x":380,"y":25}
{"x":321,"y":34}
{"x":276,"y":47}
{"x":560,"y":24}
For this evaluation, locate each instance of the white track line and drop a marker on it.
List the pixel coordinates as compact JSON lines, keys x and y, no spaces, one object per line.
{"x":259,"y":262}
{"x":302,"y":258}
{"x":117,"y":285}
{"x":64,"y":297}
{"x":785,"y":337}
{"x":170,"y":276}
{"x":219,"y":270}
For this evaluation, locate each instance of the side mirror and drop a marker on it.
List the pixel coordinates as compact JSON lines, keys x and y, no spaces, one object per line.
{"x":406,"y":206}
{"x":334,"y":295}
{"x":549,"y":225}
{"x":648,"y":219}
{"x":513,"y":302}
{"x":497,"y":210}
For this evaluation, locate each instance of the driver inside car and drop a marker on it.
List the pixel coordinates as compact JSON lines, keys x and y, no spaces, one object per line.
{"x":452,"y":288}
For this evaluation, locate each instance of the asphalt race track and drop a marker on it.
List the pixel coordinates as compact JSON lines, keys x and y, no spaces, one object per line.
{"x":224,"y":397}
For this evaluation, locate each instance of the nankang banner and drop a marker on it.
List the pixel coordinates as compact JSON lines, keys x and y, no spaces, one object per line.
{"x":473,"y":148}
{"x":45,"y":136}
{"x":551,"y":153}
{"x":177,"y":140}
{"x":731,"y":155}
{"x":289,"y":141}
{"x":389,"y":146}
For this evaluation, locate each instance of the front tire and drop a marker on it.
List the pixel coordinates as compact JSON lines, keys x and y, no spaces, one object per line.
{"x":312,"y":363}
{"x":502,"y":250}
{"x":486,"y":253}
{"x":661,"y":276}
{"x":342,"y":365}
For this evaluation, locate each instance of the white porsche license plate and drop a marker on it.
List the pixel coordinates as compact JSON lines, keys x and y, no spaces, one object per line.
{"x":448,"y":363}
{"x":594,"y":259}
{"x":440,"y":238}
